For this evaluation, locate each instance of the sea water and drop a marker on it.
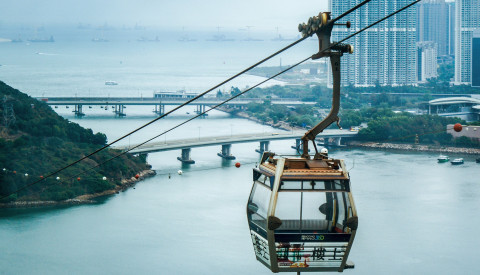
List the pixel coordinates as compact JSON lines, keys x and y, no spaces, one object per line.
{"x":416,"y":216}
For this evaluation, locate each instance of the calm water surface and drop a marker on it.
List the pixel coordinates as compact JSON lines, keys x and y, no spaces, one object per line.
{"x":416,"y":216}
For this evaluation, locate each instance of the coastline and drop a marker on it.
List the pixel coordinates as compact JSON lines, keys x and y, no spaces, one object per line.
{"x":417,"y":148}
{"x":372,"y":145}
{"x":279,"y":125}
{"x":82,"y":199}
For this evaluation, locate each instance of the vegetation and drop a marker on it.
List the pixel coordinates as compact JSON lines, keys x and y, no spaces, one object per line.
{"x":35,"y":141}
{"x":361,"y":105}
{"x":387,"y":126}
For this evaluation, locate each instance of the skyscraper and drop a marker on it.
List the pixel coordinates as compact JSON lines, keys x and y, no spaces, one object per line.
{"x":426,"y":60}
{"x":467,"y":20}
{"x":384,"y":54}
{"x":451,"y":28}
{"x":434,"y":22}
{"x":476,"y":59}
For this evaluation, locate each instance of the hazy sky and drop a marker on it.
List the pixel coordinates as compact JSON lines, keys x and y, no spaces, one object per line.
{"x":261,"y":14}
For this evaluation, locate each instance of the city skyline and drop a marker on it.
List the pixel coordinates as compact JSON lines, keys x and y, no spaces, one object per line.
{"x":467,"y":21}
{"x":208,"y":13}
{"x":385,"y":54}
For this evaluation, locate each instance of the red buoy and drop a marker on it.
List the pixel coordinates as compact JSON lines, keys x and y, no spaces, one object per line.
{"x":137,"y":176}
{"x":457,"y":127}
{"x":41,"y":177}
{"x":14,"y":172}
{"x":237,"y":164}
{"x":78,"y":178}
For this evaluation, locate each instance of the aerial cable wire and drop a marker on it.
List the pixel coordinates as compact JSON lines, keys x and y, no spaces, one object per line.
{"x":211,"y":89}
{"x":171,"y":129}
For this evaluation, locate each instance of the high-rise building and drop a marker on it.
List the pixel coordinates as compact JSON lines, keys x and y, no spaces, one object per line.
{"x":426,"y":61}
{"x":476,"y":59}
{"x":451,"y":28}
{"x":384,"y":54}
{"x":435,"y":23}
{"x":467,"y":20}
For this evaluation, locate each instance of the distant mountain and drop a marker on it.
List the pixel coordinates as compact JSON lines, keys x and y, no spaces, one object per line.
{"x":35,"y":141}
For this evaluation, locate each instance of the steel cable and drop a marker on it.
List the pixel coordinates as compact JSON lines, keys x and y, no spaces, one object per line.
{"x":206,"y":92}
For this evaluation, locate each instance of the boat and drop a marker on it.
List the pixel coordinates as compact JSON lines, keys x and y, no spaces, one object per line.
{"x":99,"y":40}
{"x":220,"y":38}
{"x":457,"y":161}
{"x":111,"y":83}
{"x":41,"y":40}
{"x":442,"y":159}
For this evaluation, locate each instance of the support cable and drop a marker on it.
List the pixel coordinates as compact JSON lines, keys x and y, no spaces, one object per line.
{"x":349,"y":11}
{"x":209,"y":90}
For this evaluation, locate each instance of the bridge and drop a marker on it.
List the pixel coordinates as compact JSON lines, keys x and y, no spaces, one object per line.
{"x":119,"y":103}
{"x":333,"y":137}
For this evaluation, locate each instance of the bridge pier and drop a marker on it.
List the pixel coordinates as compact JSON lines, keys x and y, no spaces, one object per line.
{"x":159,"y":109}
{"x":263,"y":146}
{"x":79,"y":110}
{"x":336,"y":141}
{"x":226,"y":152}
{"x":119,"y":110}
{"x":201,"y":109}
{"x":185,"y":158}
{"x":298,"y":144}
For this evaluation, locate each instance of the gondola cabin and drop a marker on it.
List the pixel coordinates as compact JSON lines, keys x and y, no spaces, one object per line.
{"x":301,"y":214}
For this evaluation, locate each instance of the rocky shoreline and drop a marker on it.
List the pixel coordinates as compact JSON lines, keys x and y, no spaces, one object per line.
{"x":279,"y":125}
{"x":416,"y":147}
{"x":373,"y":145}
{"x":83,"y":199}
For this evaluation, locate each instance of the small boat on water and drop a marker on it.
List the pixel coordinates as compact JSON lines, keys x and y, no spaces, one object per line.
{"x":111,"y":83}
{"x":457,"y":161}
{"x":442,"y":159}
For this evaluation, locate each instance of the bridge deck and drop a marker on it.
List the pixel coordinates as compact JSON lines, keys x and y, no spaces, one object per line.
{"x":158,"y":101}
{"x":220,"y":140}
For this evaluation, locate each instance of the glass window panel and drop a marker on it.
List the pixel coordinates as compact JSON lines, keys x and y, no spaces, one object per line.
{"x":258,"y":204}
{"x":311,"y":205}
{"x":319,"y":185}
{"x":288,"y":210}
{"x":341,"y":210}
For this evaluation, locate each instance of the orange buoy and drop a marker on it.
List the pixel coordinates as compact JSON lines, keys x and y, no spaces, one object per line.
{"x":14,"y":172}
{"x":78,"y":178}
{"x":41,"y":177}
{"x":457,"y":127}
{"x":237,"y":164}
{"x":137,"y":176}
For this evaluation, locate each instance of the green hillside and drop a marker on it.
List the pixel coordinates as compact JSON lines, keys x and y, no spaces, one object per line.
{"x":35,"y":141}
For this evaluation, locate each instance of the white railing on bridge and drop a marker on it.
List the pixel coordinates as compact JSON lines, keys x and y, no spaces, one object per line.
{"x":231,"y":139}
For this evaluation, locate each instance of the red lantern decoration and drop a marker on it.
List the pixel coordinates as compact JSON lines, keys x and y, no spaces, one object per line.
{"x":237,"y":164}
{"x":137,"y":176}
{"x":457,"y":127}
{"x":78,"y":179}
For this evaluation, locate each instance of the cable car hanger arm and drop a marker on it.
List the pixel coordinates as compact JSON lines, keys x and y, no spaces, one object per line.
{"x":335,"y":51}
{"x":322,"y":26}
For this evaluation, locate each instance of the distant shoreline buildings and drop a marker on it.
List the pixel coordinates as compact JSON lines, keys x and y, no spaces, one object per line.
{"x":384,"y":54}
{"x":436,"y":23}
{"x":467,"y":22}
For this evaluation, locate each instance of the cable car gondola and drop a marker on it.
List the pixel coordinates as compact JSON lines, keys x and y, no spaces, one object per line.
{"x":301,"y":212}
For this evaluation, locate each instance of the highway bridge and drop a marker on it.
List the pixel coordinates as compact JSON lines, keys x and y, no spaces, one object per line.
{"x":119,"y":103}
{"x":334,"y":136}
